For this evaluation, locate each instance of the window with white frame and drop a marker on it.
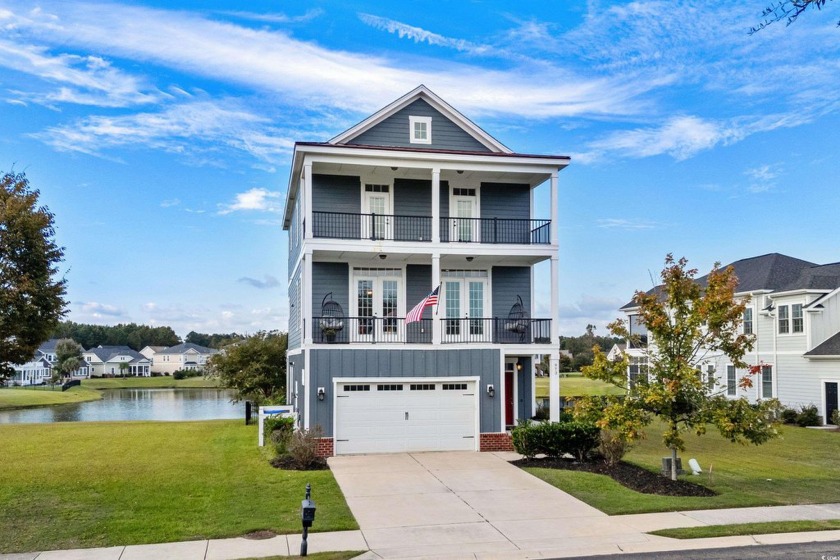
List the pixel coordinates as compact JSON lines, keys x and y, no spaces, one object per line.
{"x":784,"y":319}
{"x":420,"y":130}
{"x":731,"y":381}
{"x":766,"y":382}
{"x":748,"y":320}
{"x":797,"y":323}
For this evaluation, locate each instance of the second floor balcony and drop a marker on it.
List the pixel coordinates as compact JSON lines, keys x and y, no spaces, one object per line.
{"x":373,"y":330}
{"x":390,"y":227}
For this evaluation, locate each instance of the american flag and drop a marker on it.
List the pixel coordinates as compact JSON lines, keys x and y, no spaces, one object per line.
{"x":415,"y":314}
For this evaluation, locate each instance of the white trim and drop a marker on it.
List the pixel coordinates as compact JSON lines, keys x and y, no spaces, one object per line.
{"x":822,"y":407}
{"x":412,"y":137}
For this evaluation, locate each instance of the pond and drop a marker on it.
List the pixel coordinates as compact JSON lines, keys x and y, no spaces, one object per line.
{"x":136,"y":404}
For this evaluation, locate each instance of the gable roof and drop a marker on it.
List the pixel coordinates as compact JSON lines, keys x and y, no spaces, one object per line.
{"x":772,"y":272}
{"x":48,"y":347}
{"x":186,"y":346}
{"x":830,"y":347}
{"x":106,"y":353}
{"x":421,"y":92}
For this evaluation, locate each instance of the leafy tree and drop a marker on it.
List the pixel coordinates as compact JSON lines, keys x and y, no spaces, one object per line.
{"x":686,"y":324}
{"x":213,"y":340}
{"x":124,"y":366}
{"x":788,"y":10}
{"x":31,"y":298}
{"x":68,"y":358}
{"x":131,"y":335}
{"x":255,"y":367}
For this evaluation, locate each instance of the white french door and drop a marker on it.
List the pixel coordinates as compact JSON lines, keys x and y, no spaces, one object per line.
{"x":376,"y":205}
{"x":377,"y":307}
{"x":464,"y":225}
{"x":465,"y":303}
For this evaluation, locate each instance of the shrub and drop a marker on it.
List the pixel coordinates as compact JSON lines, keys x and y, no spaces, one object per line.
{"x":185,"y":373}
{"x":302,"y":449}
{"x":278,"y":430}
{"x":554,"y":439}
{"x":789,"y":416}
{"x":809,"y":416}
{"x":613,"y":446}
{"x":835,"y":417}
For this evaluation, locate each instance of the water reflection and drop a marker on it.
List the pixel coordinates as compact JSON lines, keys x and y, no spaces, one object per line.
{"x":136,"y":404}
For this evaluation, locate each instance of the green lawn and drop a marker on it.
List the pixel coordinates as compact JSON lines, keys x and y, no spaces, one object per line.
{"x":77,"y":485}
{"x":709,"y":531}
{"x":799,"y":468}
{"x":25,"y":397}
{"x":576,"y":385}
{"x":162,"y":382}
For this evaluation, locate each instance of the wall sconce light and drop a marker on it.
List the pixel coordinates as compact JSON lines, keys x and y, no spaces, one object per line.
{"x":470,"y":259}
{"x":491,"y":391}
{"x":383,"y":257}
{"x":518,"y":366}
{"x":321,"y":393}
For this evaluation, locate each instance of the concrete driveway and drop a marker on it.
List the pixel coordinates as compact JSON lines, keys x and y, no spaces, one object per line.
{"x":472,"y":505}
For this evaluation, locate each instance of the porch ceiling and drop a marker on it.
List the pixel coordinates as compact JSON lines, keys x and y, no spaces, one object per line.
{"x":472,"y":176}
{"x":394,"y":258}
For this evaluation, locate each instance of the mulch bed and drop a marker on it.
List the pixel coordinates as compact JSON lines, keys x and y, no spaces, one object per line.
{"x":630,"y":476}
{"x":285,"y":462}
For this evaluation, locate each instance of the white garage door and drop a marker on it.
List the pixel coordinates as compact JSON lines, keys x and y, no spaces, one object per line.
{"x":411,"y":415}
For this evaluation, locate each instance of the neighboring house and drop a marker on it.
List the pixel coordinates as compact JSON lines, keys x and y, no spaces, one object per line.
{"x":39,"y":370}
{"x":616,"y":352}
{"x":414,"y":197}
{"x":793,"y":310}
{"x":34,"y":372}
{"x":150,"y":351}
{"x":186,"y":356}
{"x":106,"y":360}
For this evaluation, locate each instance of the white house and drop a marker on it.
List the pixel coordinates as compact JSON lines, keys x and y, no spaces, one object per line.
{"x":793,"y":310}
{"x":39,"y":370}
{"x":415,"y":198}
{"x":186,"y":356}
{"x":108,"y":360}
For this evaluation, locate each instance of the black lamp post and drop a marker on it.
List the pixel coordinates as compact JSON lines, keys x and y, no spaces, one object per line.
{"x":307,"y":516}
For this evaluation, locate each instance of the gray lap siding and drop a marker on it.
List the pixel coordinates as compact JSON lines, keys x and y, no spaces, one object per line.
{"x":325,"y":365}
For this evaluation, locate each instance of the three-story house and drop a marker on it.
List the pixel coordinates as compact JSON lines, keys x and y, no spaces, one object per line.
{"x":415,"y":198}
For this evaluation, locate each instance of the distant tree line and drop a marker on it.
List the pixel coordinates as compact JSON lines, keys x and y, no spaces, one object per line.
{"x":217,"y":341}
{"x":131,"y":335}
{"x":581,"y":348}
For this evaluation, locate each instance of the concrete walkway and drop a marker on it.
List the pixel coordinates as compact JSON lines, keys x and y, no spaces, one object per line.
{"x":469,"y":505}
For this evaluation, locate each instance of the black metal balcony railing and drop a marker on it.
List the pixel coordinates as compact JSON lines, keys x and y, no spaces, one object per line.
{"x":495,"y":230}
{"x":346,"y":225}
{"x":390,"y":227}
{"x":372,"y":330}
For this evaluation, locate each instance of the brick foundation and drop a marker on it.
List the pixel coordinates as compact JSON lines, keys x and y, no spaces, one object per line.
{"x":497,"y":441}
{"x":325,"y":447}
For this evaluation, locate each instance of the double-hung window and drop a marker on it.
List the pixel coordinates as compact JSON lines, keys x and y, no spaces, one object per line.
{"x":797,"y":323}
{"x":784,"y":320}
{"x":731,"y":381}
{"x":420,"y":130}
{"x":748,"y":320}
{"x":766,"y":382}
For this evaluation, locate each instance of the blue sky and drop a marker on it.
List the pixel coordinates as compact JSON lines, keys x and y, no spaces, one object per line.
{"x":160,"y":134}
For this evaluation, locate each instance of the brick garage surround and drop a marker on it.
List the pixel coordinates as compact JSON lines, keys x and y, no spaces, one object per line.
{"x":325,"y":447}
{"x":496,"y":441}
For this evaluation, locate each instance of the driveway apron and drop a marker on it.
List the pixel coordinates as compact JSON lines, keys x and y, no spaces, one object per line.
{"x":468,"y":504}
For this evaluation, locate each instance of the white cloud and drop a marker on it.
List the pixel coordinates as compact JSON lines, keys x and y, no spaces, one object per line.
{"x":84,"y":80}
{"x":188,"y":128}
{"x":98,"y":310}
{"x":170,"y":203}
{"x":625,"y":224}
{"x":256,"y":199}
{"x":420,"y":35}
{"x":267,"y":282}
{"x":275,"y":17}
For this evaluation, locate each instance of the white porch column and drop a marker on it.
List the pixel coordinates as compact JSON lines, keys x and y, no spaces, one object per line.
{"x":554,"y":385}
{"x":435,"y":284}
{"x":307,"y":199}
{"x":555,"y":300}
{"x":306,"y":288}
{"x":555,"y":205}
{"x":435,"y":206}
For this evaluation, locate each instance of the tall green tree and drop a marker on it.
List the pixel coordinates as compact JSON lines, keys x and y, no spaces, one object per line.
{"x":31,"y":296}
{"x":686,"y":323}
{"x":68,"y":358}
{"x":254,"y":368}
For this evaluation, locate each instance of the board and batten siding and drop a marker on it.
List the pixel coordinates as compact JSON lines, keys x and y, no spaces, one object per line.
{"x":328,"y":364}
{"x":504,"y":200}
{"x":295,"y":302}
{"x":296,"y":365}
{"x":330,"y":277}
{"x":413,"y":197}
{"x":394,"y":131}
{"x":825,"y":323}
{"x":418,"y":284}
